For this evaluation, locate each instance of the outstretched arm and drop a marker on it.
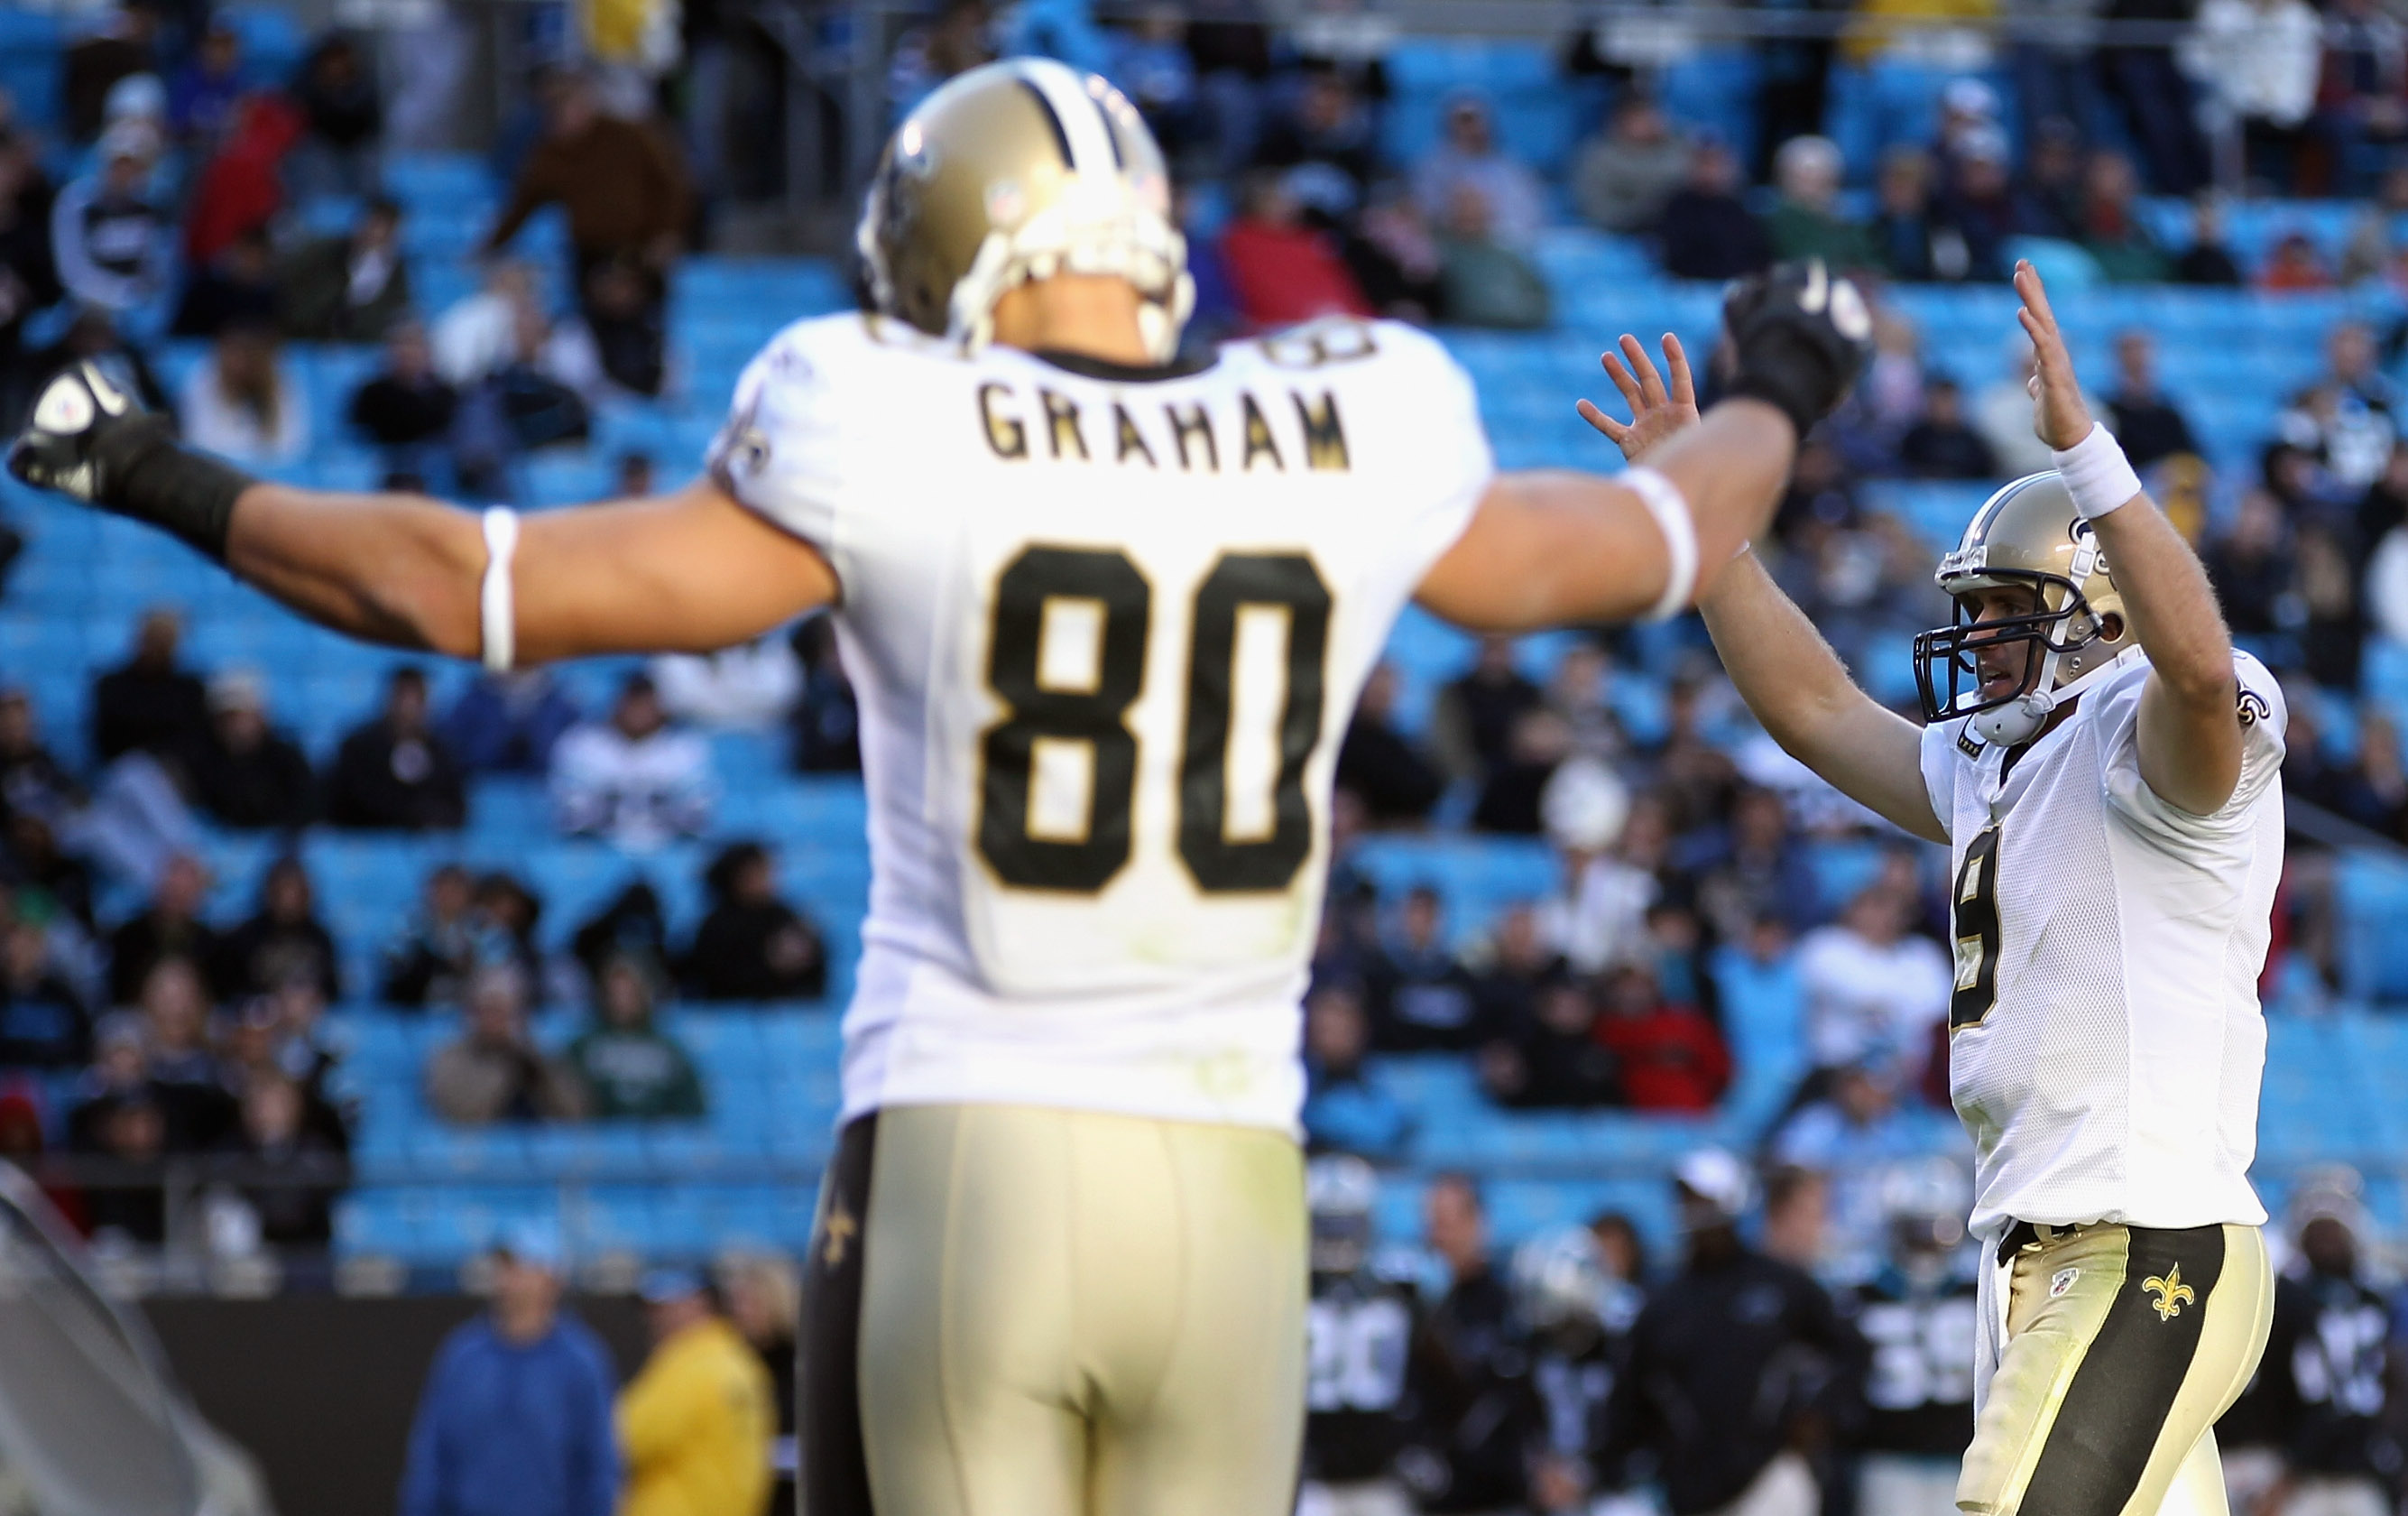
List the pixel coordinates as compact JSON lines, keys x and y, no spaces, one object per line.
{"x":2190,"y":734}
{"x":1777,"y":659}
{"x":1549,"y":548}
{"x":690,"y":570}
{"x":687,"y":572}
{"x":1552,"y":547}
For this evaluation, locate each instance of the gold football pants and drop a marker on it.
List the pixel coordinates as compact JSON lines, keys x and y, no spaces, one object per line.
{"x":1018,"y":1311}
{"x":2123,"y":1346}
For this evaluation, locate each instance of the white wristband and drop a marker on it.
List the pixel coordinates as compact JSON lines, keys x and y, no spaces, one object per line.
{"x":1672,"y":518}
{"x":2097,"y":474}
{"x":497,"y":613}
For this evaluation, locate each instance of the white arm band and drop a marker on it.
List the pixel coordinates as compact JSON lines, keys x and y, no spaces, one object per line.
{"x":1672,"y":512}
{"x":497,"y":613}
{"x":2097,"y":474}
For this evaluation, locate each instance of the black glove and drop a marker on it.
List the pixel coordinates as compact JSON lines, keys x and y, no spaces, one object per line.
{"x":1801,"y":337}
{"x":90,"y":439}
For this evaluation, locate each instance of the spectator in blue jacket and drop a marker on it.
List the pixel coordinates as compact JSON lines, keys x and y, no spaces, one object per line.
{"x":515,"y":1419}
{"x":506,"y":723}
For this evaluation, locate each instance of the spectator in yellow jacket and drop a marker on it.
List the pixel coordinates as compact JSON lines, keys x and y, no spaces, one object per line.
{"x":696,"y":1422}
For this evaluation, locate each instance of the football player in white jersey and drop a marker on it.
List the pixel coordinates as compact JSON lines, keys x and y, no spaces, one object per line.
{"x":1105,"y":614}
{"x":2105,"y":770}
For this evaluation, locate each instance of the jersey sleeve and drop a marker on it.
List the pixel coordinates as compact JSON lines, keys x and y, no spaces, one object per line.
{"x":1941,"y":766}
{"x":2263,"y":714}
{"x":778,"y":454}
{"x":1452,"y":462}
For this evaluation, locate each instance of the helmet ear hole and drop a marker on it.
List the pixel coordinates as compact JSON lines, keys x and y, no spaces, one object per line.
{"x":2111,"y":627}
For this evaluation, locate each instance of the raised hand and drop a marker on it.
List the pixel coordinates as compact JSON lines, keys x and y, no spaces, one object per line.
{"x":69,"y":443}
{"x":1657,"y":410}
{"x":2060,"y":416}
{"x":1799,"y":338}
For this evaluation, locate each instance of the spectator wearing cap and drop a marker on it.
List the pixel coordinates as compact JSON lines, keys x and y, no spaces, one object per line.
{"x":353,"y":287}
{"x":634,"y":779}
{"x":630,"y":1069}
{"x":405,"y":408}
{"x":494,"y":1071}
{"x":243,"y":402}
{"x":1807,"y":223}
{"x":1624,"y":175}
{"x":1736,"y":1363}
{"x":752,"y":946}
{"x":282,"y":941}
{"x":1707,"y":232}
{"x":696,"y":1422}
{"x":107,"y":234}
{"x":244,"y":774}
{"x":516,"y":1414}
{"x":393,"y":774}
{"x":1469,"y":155}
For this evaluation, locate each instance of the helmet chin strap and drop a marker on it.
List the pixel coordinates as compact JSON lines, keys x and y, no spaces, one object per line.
{"x":2020,"y":720}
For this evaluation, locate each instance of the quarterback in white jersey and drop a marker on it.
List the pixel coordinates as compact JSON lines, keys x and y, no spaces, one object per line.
{"x":2105,"y":770}
{"x":1106,"y":612}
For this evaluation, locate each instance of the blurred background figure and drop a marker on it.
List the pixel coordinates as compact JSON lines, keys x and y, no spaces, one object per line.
{"x":1917,"y":1318}
{"x":1741,"y":1367}
{"x":697,"y":1423}
{"x":1363,"y":1333}
{"x":516,"y":1413}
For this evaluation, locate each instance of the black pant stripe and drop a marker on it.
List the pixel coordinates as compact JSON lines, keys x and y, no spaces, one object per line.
{"x":827,"y":1418}
{"x":2115,"y":1408}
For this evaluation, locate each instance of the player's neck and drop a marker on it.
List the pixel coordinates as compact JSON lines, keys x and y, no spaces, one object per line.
{"x":1092,"y":315}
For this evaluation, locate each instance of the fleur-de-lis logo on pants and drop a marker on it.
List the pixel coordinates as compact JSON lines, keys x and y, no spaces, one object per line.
{"x":838,"y":1232}
{"x":2172,"y":1294}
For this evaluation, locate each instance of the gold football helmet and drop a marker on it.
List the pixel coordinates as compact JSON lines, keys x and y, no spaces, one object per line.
{"x":1014,"y":171}
{"x":2028,"y":534}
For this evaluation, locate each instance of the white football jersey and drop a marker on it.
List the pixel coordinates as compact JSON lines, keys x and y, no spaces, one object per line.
{"x":1106,"y":628}
{"x":2105,"y":1044}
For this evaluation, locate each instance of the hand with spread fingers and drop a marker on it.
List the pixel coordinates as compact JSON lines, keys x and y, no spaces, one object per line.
{"x":1657,"y":408}
{"x":2060,"y":416}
